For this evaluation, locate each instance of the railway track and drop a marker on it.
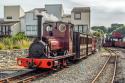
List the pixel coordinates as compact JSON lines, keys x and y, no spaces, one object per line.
{"x":26,"y":77}
{"x":111,"y":61}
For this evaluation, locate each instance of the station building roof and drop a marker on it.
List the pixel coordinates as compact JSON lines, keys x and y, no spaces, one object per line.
{"x":8,"y":22}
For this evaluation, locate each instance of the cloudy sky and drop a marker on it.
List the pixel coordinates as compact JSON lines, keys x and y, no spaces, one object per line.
{"x":103,"y":12}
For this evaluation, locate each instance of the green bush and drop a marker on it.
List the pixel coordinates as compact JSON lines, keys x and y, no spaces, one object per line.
{"x":20,"y":36}
{"x":8,"y":42}
{"x":19,"y":41}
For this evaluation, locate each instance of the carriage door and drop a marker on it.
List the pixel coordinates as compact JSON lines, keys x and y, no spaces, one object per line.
{"x":76,"y":44}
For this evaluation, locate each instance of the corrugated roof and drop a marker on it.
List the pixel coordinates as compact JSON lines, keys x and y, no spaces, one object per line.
{"x":81,"y":9}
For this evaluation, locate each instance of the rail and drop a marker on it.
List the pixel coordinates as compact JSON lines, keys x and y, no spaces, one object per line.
{"x":26,"y":77}
{"x":105,"y":64}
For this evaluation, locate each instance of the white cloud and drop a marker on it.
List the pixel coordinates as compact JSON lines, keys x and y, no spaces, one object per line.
{"x":104,"y":12}
{"x":108,"y":4}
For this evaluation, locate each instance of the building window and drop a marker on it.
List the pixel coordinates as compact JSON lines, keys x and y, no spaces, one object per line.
{"x":9,"y":17}
{"x":31,"y":30}
{"x":77,"y":16}
{"x":81,"y":28}
{"x":85,"y":28}
{"x":76,"y":28}
{"x":5,"y":30}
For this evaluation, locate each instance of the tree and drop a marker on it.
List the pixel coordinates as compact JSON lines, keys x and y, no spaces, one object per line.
{"x":103,"y":28}
{"x":98,"y":33}
{"x":121,"y":30}
{"x":114,"y":27}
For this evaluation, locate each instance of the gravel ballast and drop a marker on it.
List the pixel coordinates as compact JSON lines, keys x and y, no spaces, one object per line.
{"x":82,"y":72}
{"x":120,"y":74}
{"x":8,"y":59}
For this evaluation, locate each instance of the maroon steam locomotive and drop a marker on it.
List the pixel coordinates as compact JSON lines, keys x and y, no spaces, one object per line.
{"x":115,"y":40}
{"x":58,"y":45}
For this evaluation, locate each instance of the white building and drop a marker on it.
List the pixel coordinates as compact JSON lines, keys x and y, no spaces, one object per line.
{"x":11,"y":23}
{"x":29,"y":21}
{"x":12,"y":13}
{"x":9,"y":28}
{"x":80,"y":17}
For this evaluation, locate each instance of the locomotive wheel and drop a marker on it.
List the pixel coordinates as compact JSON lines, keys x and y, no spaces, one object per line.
{"x":65,"y":63}
{"x":58,"y":67}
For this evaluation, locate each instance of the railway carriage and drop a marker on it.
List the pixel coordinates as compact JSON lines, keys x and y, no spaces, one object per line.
{"x":58,"y":45}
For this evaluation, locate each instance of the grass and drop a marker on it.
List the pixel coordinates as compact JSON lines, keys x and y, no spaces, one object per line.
{"x":1,"y":46}
{"x":19,"y":41}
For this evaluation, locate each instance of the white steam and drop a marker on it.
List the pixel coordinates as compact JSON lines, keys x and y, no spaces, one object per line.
{"x":49,"y":17}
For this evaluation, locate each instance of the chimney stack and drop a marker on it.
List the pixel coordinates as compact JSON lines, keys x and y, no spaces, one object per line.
{"x":39,"y":26}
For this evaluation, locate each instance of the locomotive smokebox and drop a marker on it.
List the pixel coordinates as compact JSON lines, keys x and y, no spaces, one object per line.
{"x":39,"y":26}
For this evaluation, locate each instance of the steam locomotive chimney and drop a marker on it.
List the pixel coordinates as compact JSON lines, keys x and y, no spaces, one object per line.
{"x":39,"y":26}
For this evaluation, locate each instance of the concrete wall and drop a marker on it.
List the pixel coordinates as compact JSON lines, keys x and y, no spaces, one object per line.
{"x":15,"y":29}
{"x":23,"y":25}
{"x":85,"y":19}
{"x":22,"y":13}
{"x":13,"y":11}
